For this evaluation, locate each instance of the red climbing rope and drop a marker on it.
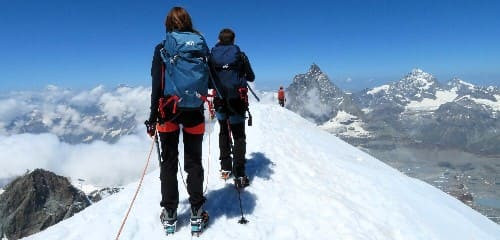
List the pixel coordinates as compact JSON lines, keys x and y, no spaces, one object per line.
{"x":138,"y":188}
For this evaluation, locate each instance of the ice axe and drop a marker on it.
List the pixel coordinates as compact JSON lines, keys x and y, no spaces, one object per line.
{"x":253,"y":93}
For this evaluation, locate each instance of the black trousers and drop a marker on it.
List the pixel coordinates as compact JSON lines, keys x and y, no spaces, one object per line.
{"x":237,"y":162}
{"x":192,"y":162}
{"x":282,"y":102}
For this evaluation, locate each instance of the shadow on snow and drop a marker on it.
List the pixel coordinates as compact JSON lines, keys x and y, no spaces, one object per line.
{"x":224,"y":201}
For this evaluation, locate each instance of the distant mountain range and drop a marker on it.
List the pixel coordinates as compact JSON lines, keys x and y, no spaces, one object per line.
{"x":75,"y":116}
{"x":414,"y":111}
{"x":417,"y":110}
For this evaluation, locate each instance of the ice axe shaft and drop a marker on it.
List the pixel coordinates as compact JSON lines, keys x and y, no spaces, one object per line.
{"x":253,"y":93}
{"x":158,"y":147}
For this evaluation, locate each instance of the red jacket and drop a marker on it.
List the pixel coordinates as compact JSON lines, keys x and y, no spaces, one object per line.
{"x":281,"y":94}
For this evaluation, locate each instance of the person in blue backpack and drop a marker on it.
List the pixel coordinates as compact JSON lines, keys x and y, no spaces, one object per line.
{"x":180,"y":76}
{"x":232,"y":71}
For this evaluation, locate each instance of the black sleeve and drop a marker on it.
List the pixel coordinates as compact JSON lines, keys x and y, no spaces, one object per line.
{"x":156,"y":83}
{"x":247,"y":69}
{"x":211,"y":75}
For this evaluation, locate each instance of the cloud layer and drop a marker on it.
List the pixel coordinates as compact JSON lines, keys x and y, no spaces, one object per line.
{"x":74,"y":116}
{"x":96,"y":135}
{"x":99,"y":162}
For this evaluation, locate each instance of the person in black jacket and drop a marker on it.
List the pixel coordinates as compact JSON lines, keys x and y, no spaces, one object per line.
{"x":193,"y":123}
{"x":231,"y":103}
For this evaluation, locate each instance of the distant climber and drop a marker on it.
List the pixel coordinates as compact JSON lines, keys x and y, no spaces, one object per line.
{"x":178,"y":100}
{"x":281,"y":96}
{"x":232,"y":71}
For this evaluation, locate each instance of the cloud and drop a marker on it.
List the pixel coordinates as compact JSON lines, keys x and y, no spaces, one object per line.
{"x":11,"y":108}
{"x":348,"y":80}
{"x":74,"y":115}
{"x":126,"y":100}
{"x":99,"y":163}
{"x":88,"y":98}
{"x":46,"y":129}
{"x":313,"y":106}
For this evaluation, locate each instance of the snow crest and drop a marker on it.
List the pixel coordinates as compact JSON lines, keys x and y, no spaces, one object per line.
{"x":305,"y":184}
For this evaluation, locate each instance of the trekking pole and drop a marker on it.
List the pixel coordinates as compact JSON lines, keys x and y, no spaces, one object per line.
{"x":158,"y":148}
{"x":253,"y":93}
{"x":242,"y":220}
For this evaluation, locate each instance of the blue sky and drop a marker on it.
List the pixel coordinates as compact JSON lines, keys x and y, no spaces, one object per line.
{"x":81,"y":44}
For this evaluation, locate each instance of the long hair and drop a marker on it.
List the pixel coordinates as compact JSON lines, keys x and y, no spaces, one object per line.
{"x":178,"y":19}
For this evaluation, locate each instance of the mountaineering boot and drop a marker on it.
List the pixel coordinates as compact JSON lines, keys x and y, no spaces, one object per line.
{"x":241,"y":182}
{"x":168,"y":219}
{"x":225,"y":174}
{"x":226,"y":166}
{"x":199,"y":220}
{"x":226,"y":161}
{"x":239,"y":150}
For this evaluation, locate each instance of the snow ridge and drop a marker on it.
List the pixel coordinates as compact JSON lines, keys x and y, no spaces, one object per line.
{"x":299,"y":178}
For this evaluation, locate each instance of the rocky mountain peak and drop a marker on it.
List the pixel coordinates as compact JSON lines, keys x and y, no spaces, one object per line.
{"x":418,"y":78}
{"x":314,"y":69}
{"x":36,"y":201}
{"x":416,"y":85}
{"x":460,"y":84}
{"x":418,"y":71}
{"x":315,"y":97}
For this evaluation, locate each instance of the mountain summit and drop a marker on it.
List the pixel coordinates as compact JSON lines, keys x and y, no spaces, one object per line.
{"x":314,"y":70}
{"x":305,"y":184}
{"x":37,"y":200}
{"x":315,"y":97}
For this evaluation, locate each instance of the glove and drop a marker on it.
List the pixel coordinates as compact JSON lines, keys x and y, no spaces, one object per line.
{"x":150,"y":127}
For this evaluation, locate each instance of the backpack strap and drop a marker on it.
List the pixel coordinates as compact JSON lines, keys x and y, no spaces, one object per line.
{"x":162,"y":77}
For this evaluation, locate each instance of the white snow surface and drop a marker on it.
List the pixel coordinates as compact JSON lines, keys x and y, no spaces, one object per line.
{"x":85,"y":187}
{"x":378,"y":89}
{"x":305,"y":184}
{"x":494,"y":105}
{"x":429,"y":104}
{"x":345,"y":124}
{"x":469,"y":85}
{"x":422,"y":78}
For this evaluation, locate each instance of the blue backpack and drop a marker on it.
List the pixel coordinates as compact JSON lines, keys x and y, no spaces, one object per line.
{"x":226,"y":60}
{"x":186,"y":70}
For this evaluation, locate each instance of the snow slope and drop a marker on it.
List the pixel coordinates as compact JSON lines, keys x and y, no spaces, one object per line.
{"x":429,"y":104}
{"x":306,"y":184}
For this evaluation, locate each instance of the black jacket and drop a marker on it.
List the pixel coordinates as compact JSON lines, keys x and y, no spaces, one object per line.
{"x":247,"y":71}
{"x":156,"y":82}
